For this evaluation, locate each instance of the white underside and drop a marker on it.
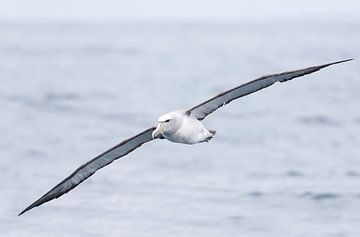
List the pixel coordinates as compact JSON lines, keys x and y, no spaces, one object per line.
{"x":191,"y":131}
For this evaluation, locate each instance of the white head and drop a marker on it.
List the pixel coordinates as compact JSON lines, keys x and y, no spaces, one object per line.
{"x":167,"y":124}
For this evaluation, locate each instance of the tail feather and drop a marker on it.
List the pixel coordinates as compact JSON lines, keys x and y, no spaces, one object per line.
{"x":213,"y":132}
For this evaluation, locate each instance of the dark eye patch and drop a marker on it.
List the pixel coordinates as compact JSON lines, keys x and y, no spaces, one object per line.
{"x":166,"y":121}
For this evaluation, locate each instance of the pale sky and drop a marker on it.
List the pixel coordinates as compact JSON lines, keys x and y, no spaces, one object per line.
{"x":184,"y":9}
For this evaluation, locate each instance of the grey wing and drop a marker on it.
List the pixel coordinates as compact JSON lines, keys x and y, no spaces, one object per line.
{"x":89,"y":168}
{"x":202,"y":110}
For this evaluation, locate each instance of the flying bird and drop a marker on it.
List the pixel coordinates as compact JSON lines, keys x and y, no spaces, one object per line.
{"x":183,"y":126}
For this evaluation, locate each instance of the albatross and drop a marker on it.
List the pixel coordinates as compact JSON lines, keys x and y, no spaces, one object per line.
{"x":182,"y":126}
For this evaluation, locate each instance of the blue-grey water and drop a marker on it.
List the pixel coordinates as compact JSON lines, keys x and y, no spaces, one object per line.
{"x":285,"y":161}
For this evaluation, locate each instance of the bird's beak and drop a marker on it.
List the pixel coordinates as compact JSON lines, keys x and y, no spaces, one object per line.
{"x":158,"y":131}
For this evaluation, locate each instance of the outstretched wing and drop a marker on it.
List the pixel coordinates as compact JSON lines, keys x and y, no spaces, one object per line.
{"x":202,"y":110}
{"x":89,"y":168}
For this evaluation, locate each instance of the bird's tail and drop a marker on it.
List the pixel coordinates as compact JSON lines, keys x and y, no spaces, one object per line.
{"x":213,"y":132}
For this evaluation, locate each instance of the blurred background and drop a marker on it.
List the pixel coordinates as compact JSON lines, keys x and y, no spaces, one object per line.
{"x":77,"y":77}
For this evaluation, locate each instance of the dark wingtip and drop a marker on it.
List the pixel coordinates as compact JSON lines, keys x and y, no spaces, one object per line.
{"x":34,"y":204}
{"x":28,"y":208}
{"x":25,"y":210}
{"x":346,"y":60}
{"x":337,"y":62}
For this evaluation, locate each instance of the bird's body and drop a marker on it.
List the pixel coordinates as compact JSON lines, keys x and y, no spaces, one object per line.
{"x":179,"y":126}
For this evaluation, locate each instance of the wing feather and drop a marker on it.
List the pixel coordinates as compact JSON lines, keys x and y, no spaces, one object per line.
{"x":89,"y":168}
{"x":207,"y":107}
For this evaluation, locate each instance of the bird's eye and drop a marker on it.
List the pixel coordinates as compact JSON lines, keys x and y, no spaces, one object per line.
{"x":166,"y":121}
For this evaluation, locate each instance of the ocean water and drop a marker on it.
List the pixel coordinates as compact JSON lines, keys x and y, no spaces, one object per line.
{"x":285,"y":161}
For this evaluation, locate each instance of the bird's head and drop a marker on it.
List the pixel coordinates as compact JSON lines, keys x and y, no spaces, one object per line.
{"x":167,"y":124}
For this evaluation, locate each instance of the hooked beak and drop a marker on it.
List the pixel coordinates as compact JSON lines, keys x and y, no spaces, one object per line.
{"x":157,"y":133}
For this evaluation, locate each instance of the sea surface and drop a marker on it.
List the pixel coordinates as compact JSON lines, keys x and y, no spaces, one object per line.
{"x":285,"y":161}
